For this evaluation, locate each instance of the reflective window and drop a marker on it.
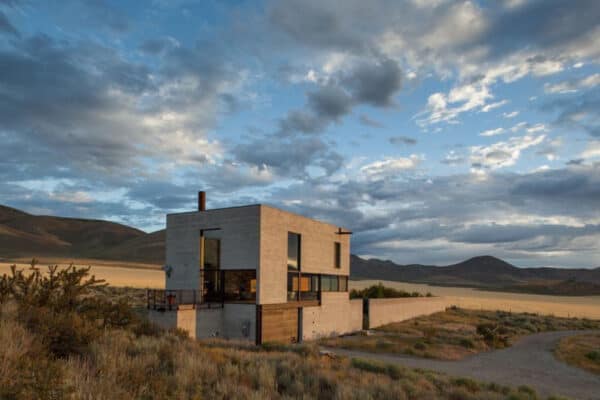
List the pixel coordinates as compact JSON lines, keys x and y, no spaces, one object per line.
{"x":293,"y":251}
{"x":239,"y":285}
{"x":212,"y":250}
{"x":337,"y":247}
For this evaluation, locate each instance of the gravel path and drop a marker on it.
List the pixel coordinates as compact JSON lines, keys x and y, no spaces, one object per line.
{"x":529,"y":361}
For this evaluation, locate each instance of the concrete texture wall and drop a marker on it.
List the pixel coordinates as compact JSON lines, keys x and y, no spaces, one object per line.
{"x":208,"y":323}
{"x":337,"y":315}
{"x":239,"y":234}
{"x":317,"y":251}
{"x":233,"y":321}
{"x":239,"y":321}
{"x":386,"y":311}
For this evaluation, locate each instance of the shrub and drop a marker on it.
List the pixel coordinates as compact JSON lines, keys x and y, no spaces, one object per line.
{"x":381,"y":292}
{"x":468,"y":343}
{"x":420,"y":346}
{"x":594,"y":355}
{"x":59,"y":309}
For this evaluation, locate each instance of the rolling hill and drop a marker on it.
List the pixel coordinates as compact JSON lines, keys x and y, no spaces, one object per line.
{"x":26,"y":235}
{"x":484,"y":272}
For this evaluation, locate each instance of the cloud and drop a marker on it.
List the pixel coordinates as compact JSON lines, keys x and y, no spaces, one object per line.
{"x":373,"y":83}
{"x":491,"y":106}
{"x":330,"y":102}
{"x":501,"y":154}
{"x":453,"y":158}
{"x":511,"y":114}
{"x":572,"y":86}
{"x":492,"y":132}
{"x":6,"y":26}
{"x":390,"y":166}
{"x":288,"y":157}
{"x":402,"y":140}
{"x":365,"y":120}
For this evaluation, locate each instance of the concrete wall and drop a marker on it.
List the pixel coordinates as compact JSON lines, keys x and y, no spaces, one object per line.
{"x":337,"y":315}
{"x":385,"y":311}
{"x":239,"y":234}
{"x":317,"y":251}
{"x":233,"y":321}
{"x":239,"y":321}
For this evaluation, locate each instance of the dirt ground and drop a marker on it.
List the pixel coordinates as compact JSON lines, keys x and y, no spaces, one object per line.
{"x":529,"y":362}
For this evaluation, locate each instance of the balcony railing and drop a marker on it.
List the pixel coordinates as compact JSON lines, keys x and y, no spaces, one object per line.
{"x":169,"y":300}
{"x":216,"y":288}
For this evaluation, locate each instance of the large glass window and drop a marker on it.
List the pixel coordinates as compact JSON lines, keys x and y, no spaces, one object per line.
{"x":329,"y":283}
{"x":212,"y":253}
{"x":293,"y":251}
{"x":239,"y":285}
{"x":337,"y":249}
{"x":303,"y":286}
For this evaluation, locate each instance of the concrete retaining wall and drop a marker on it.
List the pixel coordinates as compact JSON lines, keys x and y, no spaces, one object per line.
{"x":385,"y":311}
{"x":337,"y":315}
{"x":233,"y":321}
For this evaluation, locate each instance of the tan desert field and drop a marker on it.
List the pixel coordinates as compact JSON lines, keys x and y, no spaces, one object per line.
{"x":115,"y":273}
{"x":138,"y":275}
{"x":561,"y":306}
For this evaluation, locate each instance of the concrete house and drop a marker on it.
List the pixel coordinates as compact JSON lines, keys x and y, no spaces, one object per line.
{"x":255,"y":272}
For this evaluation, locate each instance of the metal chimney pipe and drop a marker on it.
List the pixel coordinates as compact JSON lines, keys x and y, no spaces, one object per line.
{"x":202,"y":201}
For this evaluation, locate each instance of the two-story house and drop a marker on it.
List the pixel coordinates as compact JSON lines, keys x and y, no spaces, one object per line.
{"x":258,"y":273}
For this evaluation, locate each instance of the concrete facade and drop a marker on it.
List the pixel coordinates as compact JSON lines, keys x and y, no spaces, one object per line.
{"x":335,"y":316}
{"x":238,"y":230}
{"x":255,"y":237}
{"x":386,"y":311}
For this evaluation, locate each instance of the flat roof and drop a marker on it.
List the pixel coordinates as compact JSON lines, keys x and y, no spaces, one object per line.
{"x":257,"y":205}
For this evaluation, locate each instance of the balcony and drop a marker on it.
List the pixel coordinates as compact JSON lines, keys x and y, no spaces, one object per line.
{"x":217,"y":288}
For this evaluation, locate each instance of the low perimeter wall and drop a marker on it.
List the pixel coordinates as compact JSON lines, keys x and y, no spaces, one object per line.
{"x":335,"y":316}
{"x":386,"y":311}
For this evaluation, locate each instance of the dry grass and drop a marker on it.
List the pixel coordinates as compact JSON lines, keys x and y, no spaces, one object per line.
{"x":456,"y":333}
{"x":121,"y":365}
{"x":581,"y":351}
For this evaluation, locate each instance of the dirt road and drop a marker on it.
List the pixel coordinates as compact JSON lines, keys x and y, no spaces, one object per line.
{"x":529,"y":362}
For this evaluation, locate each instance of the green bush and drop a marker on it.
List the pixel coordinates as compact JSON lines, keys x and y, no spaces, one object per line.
{"x":594,"y":355}
{"x":381,"y":292}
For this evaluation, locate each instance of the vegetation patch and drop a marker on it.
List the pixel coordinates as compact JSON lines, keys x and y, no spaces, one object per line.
{"x":456,"y":333}
{"x":382,"y":292}
{"x":76,"y":342}
{"x":582,"y":351}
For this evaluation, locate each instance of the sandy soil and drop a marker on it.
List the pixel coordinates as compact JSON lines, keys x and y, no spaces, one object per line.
{"x":121,"y":274}
{"x":562,"y":306}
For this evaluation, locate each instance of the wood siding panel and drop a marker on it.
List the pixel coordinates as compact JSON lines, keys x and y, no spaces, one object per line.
{"x":279,"y":325}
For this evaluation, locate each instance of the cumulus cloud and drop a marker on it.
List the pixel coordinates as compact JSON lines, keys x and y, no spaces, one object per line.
{"x":373,"y":83}
{"x":501,"y":154}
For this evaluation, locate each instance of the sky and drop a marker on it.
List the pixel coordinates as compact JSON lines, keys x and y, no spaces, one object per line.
{"x":435,"y":130}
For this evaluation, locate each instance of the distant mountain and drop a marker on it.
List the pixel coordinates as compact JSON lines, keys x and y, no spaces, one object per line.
{"x":485,"y":272}
{"x":26,"y":235}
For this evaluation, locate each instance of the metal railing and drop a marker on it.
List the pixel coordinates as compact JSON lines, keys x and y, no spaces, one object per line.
{"x":169,"y":300}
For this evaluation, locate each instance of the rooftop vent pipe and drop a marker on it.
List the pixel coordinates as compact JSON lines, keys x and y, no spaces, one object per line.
{"x":202,"y":201}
